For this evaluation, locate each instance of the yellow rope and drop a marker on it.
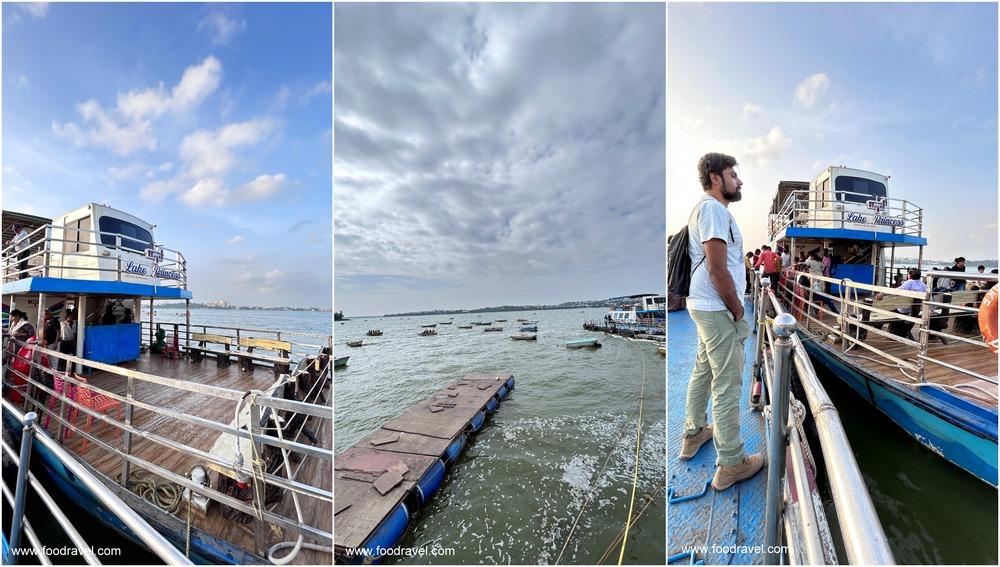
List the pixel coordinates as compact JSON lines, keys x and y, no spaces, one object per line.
{"x":635,"y":475}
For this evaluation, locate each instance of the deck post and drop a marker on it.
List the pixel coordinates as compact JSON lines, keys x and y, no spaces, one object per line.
{"x":258,"y":484}
{"x":81,"y":329}
{"x":151,"y":322}
{"x":187,"y":324}
{"x":127,"y":434}
{"x":24,"y":460}
{"x":925,"y":325}
{"x":39,"y":338}
{"x":118,"y":255}
{"x":761,"y":302}
{"x":784,"y":328}
{"x":48,"y":247}
{"x":920,"y":257}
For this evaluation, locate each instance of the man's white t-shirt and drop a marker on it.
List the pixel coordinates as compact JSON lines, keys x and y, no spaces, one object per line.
{"x":21,"y":240}
{"x":712,"y":220}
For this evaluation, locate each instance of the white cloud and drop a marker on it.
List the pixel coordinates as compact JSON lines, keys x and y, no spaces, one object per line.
{"x":750,"y":109}
{"x":811,"y":89}
{"x":281,"y":99}
{"x":157,"y":191}
{"x":206,"y":192}
{"x":320,"y":88}
{"x":37,"y":10}
{"x":223,"y":27}
{"x":764,"y":149}
{"x":211,"y":152}
{"x":130,"y":171}
{"x":196,"y":84}
{"x":238,"y":239}
{"x":126,"y":128}
{"x":262,"y":187}
{"x":162,"y":168}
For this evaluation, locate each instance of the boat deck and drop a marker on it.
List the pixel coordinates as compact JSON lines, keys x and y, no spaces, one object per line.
{"x":957,"y":353}
{"x":368,"y":488}
{"x":314,"y":472}
{"x":728,"y":518}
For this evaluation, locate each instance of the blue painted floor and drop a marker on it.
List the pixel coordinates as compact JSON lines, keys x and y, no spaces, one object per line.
{"x":726,"y":525}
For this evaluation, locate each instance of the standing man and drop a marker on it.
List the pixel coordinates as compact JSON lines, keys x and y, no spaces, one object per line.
{"x":21,"y":249}
{"x":716,"y":250}
{"x":771,"y":263}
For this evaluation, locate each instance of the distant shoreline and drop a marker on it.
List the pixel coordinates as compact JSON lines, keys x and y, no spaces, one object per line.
{"x":503,"y":308}
{"x":243,"y":307}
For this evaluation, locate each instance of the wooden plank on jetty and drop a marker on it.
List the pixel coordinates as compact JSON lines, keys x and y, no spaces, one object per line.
{"x":380,"y":471}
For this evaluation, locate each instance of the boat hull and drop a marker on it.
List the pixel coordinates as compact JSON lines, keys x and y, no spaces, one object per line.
{"x":959,"y":431}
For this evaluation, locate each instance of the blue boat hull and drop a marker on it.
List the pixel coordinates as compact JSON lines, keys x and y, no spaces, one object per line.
{"x":204,"y":549}
{"x":957,"y":430}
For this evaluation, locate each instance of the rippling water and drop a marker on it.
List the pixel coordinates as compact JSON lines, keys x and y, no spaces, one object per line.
{"x":518,"y":486}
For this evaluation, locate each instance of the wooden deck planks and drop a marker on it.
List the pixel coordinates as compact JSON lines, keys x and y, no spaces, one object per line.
{"x":314,"y":471}
{"x":423,"y":438}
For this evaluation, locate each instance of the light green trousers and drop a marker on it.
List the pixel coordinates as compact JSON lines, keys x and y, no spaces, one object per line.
{"x":718,"y":370}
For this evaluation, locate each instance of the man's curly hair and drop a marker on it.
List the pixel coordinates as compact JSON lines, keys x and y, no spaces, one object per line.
{"x":713,"y":163}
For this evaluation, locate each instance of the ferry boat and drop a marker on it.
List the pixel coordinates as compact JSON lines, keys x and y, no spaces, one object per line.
{"x":641,"y":315}
{"x":219,"y":437}
{"x":918,"y":356}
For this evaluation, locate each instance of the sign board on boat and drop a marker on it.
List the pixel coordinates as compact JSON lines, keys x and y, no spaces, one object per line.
{"x":154,"y":254}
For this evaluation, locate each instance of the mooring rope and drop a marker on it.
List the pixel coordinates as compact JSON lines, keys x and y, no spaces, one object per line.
{"x":647,"y":500}
{"x":635,"y":474}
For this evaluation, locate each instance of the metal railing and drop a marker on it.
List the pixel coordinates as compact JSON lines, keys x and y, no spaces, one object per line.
{"x":183,"y":331}
{"x":31,"y":432}
{"x":778,"y":350}
{"x":258,"y":434}
{"x":46,"y":253}
{"x":894,"y":328}
{"x":809,"y":208}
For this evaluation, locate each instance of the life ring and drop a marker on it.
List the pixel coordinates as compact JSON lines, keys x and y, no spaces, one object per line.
{"x":988,"y":318}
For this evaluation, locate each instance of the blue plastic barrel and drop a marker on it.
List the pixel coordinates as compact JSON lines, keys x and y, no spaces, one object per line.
{"x":510,"y":383}
{"x":477,"y":421}
{"x":389,"y":532}
{"x":502,"y":392}
{"x":455,"y":449}
{"x":430,"y":482}
{"x":491,"y":405}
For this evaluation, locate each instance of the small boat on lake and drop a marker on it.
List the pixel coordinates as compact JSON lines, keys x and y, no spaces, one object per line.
{"x":501,"y":320}
{"x":584,"y":343}
{"x":529,"y":329}
{"x":525,"y":337}
{"x":340,"y":361}
{"x":428,"y":333}
{"x":431,"y":326}
{"x":356,"y":343}
{"x":445,"y":323}
{"x":492,"y":329}
{"x":375,"y":333}
{"x":465,"y":326}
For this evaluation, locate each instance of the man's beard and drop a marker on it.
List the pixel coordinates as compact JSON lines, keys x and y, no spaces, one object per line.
{"x":731,"y":197}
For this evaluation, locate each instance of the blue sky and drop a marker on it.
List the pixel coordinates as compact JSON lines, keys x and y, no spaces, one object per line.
{"x":497,"y":154}
{"x":212,"y":121}
{"x":907,"y":90}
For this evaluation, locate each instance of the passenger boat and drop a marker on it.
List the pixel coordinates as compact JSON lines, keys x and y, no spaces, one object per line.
{"x":217,"y":440}
{"x":643,"y":313}
{"x":356,"y":343}
{"x":582,"y":343}
{"x":919,"y":357}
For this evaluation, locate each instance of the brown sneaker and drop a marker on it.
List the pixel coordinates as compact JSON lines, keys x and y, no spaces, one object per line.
{"x":728,"y":476}
{"x":691,"y":443}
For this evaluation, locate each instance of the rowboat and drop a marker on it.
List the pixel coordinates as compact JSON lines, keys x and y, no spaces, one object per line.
{"x":340,"y":361}
{"x":356,"y":343}
{"x":492,"y":329}
{"x":431,"y":326}
{"x":529,"y":329}
{"x":525,"y":337}
{"x":375,"y":333}
{"x":428,"y":333}
{"x":582,"y":343}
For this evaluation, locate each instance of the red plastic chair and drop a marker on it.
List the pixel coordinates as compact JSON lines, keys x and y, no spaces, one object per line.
{"x":58,"y":384}
{"x":97,"y":402}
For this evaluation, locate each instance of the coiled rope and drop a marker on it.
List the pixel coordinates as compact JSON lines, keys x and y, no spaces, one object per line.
{"x":165,"y":495}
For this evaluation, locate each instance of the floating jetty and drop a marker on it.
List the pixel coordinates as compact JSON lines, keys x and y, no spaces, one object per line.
{"x":382,"y":479}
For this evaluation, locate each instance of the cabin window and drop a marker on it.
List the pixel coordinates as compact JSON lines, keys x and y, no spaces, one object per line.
{"x":866,"y":188}
{"x":134,"y":237}
{"x":824,"y":192}
{"x":76,"y":235}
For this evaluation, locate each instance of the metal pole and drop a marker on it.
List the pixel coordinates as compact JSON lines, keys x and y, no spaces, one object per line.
{"x":39,"y":338}
{"x":81,"y":329}
{"x":151,"y":322}
{"x":784,"y":327}
{"x":187,"y":324}
{"x":27,"y":434}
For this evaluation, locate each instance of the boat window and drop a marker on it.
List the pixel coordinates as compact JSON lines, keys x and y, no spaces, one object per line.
{"x":133,"y":236}
{"x":76,"y":236}
{"x":866,"y":187}
{"x":824,"y":192}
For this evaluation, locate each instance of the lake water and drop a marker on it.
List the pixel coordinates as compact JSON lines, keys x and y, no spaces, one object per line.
{"x":520,"y":483}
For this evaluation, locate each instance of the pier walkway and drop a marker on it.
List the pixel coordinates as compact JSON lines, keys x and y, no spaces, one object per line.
{"x":384,"y":477}
{"x":717,"y":520}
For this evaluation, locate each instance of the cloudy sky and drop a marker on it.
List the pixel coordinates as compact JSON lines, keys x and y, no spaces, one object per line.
{"x":497,"y":154}
{"x":211,"y":121}
{"x":907,"y":90}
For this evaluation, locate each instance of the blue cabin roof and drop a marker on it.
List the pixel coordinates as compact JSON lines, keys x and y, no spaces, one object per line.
{"x":851,"y":234}
{"x":93,"y":287}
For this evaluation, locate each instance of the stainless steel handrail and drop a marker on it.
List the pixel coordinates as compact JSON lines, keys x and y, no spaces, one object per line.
{"x":156,"y":542}
{"x":864,"y":538}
